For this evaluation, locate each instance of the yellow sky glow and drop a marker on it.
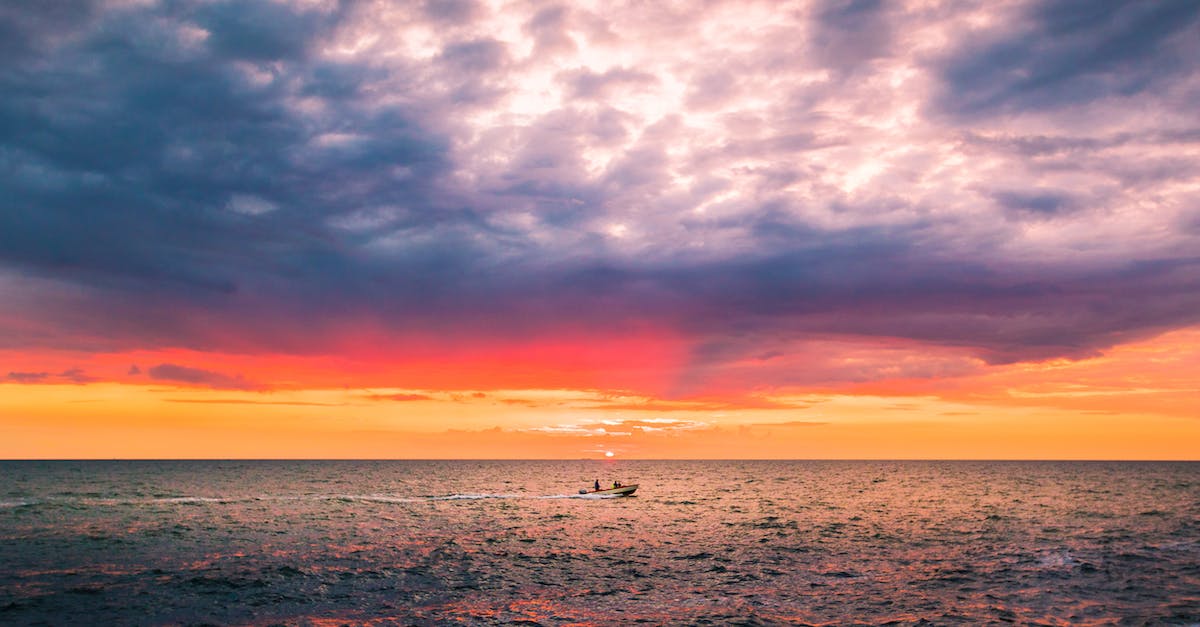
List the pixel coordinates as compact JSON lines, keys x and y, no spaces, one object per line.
{"x":1137,"y":402}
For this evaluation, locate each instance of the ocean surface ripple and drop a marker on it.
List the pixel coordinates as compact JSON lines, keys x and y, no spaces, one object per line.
{"x":501,"y":542}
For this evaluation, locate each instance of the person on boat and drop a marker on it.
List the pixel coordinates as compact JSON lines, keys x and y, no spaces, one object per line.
{"x":597,"y":485}
{"x":616,"y":484}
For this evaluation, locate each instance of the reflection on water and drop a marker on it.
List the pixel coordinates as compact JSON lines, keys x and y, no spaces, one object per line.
{"x":504,"y":542}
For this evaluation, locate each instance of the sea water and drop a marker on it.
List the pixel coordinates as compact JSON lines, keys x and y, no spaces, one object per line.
{"x":504,"y":542}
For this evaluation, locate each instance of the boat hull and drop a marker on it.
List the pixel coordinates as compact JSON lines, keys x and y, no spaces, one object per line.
{"x":624,"y":490}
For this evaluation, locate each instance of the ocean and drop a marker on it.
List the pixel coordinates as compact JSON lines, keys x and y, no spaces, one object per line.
{"x":513,"y":543}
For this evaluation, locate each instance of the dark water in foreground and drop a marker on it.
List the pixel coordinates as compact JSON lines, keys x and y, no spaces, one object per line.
{"x":482,"y":543}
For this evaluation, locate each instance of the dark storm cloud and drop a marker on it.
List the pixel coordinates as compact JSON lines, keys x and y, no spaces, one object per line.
{"x":26,"y":29}
{"x":133,"y":167}
{"x":1072,"y":51}
{"x":878,"y":283}
{"x":260,"y":31}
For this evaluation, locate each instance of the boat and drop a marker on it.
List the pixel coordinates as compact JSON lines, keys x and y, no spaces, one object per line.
{"x":624,"y":490}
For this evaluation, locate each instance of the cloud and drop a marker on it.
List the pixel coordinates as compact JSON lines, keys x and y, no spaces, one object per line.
{"x":250,"y":205}
{"x":623,"y":428}
{"x":791,"y":424}
{"x":475,"y":57}
{"x":524,"y":402}
{"x":197,"y":376}
{"x":70,"y":375}
{"x":850,"y":32}
{"x":1062,"y":53}
{"x":1039,"y":202}
{"x":548,"y":28}
{"x":401,"y":397}
{"x":76,"y":375}
{"x":454,"y":11}
{"x":990,"y":184}
{"x":27,"y":377}
{"x":660,"y":424}
{"x":692,"y":405}
{"x":596,"y":85}
{"x":238,"y":401}
{"x":261,"y":32}
{"x":28,"y":30}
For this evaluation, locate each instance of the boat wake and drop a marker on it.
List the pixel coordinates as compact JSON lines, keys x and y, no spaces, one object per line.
{"x":470,"y":497}
{"x":82,"y":502}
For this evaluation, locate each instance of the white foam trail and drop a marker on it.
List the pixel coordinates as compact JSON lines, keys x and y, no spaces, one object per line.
{"x":377,"y":498}
{"x":594,"y":497}
{"x":473,"y":497}
{"x":380,"y":498}
{"x":368,"y":498}
{"x":196,"y":499}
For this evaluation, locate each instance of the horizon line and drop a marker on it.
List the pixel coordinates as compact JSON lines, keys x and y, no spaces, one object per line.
{"x":583,"y":459}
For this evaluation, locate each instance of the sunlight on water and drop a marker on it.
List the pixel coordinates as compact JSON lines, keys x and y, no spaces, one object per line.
{"x":502,"y":542}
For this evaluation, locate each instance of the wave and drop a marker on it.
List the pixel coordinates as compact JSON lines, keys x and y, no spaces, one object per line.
{"x":196,"y":499}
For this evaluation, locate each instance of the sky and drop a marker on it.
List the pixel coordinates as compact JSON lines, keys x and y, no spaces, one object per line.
{"x":705,"y":229}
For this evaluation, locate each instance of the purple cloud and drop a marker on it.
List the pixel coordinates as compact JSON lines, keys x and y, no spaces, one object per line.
{"x":76,"y":375}
{"x":1063,"y":53}
{"x":27,"y":377}
{"x":70,"y":375}
{"x":585,"y":84}
{"x":1012,"y":183}
{"x":197,"y":376}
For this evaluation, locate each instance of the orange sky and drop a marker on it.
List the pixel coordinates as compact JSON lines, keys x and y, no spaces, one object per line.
{"x":1138,"y":401}
{"x":508,"y":229}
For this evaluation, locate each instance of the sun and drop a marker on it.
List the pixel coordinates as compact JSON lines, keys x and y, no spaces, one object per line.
{"x":608,"y":453}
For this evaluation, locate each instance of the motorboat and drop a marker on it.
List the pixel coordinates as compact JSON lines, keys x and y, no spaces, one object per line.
{"x":624,"y":490}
